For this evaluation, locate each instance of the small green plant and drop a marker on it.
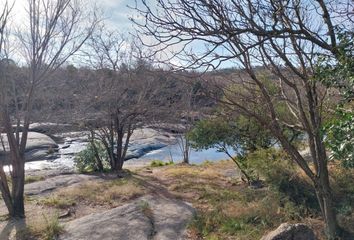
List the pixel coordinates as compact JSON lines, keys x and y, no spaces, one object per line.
{"x":92,"y":159}
{"x":159,"y":163}
{"x":146,"y":209}
{"x":233,"y":226}
{"x":51,"y":150}
{"x":52,"y":228}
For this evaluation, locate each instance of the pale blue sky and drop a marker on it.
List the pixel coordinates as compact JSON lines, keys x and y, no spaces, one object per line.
{"x":118,"y":13}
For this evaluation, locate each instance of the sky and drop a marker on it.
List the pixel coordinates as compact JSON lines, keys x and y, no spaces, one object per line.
{"x":116,"y":15}
{"x":115,"y":12}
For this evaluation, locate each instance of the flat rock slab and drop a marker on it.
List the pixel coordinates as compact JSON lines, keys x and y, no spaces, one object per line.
{"x":146,"y":218}
{"x":50,"y":184}
{"x":39,"y":146}
{"x":170,"y":217}
{"x":49,"y":173}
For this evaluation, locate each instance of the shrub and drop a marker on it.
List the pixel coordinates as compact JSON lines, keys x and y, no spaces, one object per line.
{"x":283,"y":177}
{"x":239,"y":137}
{"x":86,"y":160}
{"x":344,"y":189}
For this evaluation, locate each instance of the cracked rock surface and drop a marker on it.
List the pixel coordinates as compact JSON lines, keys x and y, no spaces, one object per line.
{"x":146,"y":218}
{"x":50,"y":184}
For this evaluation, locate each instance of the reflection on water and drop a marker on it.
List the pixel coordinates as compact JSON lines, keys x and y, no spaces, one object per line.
{"x":173,"y":153}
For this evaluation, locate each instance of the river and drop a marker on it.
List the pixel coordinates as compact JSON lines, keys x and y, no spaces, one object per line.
{"x":148,"y":145}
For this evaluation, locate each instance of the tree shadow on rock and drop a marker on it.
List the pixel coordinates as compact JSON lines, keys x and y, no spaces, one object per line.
{"x":14,"y":229}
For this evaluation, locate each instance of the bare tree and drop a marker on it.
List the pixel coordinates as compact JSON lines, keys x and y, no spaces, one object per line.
{"x":188,"y":115}
{"x":286,"y":38}
{"x":4,"y":17}
{"x":56,"y":30}
{"x":122,"y":93}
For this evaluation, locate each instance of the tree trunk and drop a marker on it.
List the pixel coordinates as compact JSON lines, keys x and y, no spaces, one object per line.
{"x":248,"y":178}
{"x":325,"y":199}
{"x":119,"y":164}
{"x":320,"y":180}
{"x":5,"y":191}
{"x":99,"y":163}
{"x":186,"y":156}
{"x":18,"y":182}
{"x":18,"y":167}
{"x":328,"y":213}
{"x":119,"y":159}
{"x":185,"y":149}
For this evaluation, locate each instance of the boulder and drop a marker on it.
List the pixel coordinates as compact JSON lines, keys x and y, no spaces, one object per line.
{"x":126,"y":222}
{"x":149,"y":217}
{"x":289,"y":231}
{"x":39,"y":147}
{"x":145,"y":140}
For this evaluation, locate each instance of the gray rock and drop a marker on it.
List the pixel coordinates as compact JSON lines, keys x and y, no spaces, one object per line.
{"x":39,"y":146}
{"x":48,"y":173}
{"x":50,"y":184}
{"x":170,"y":217}
{"x":126,"y":222}
{"x":150,"y":217}
{"x":288,"y":231}
{"x":48,"y":127}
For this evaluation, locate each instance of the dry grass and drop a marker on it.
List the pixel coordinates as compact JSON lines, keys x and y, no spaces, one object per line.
{"x":31,"y":179}
{"x":203,"y":172}
{"x":57,"y":201}
{"x":42,"y":227}
{"x":109,"y":192}
{"x":227,"y":208}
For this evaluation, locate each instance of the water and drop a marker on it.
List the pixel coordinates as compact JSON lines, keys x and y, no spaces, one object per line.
{"x":173,"y":153}
{"x":64,"y":160}
{"x":73,"y":144}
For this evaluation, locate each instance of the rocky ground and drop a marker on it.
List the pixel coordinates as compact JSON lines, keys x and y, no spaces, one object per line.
{"x":148,"y":217}
{"x":140,"y":206}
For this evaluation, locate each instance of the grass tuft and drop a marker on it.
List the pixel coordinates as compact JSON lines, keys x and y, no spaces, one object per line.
{"x":159,"y":163}
{"x":45,"y":228}
{"x":31,"y":179}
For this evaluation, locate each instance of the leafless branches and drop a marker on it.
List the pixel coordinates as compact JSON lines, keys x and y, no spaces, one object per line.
{"x":121,"y":93}
{"x":56,"y":30}
{"x":276,"y":45}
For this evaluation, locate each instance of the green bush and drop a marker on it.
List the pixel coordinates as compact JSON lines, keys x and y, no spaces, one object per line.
{"x":275,"y":167}
{"x":159,"y":163}
{"x":86,"y":161}
{"x":344,"y":189}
